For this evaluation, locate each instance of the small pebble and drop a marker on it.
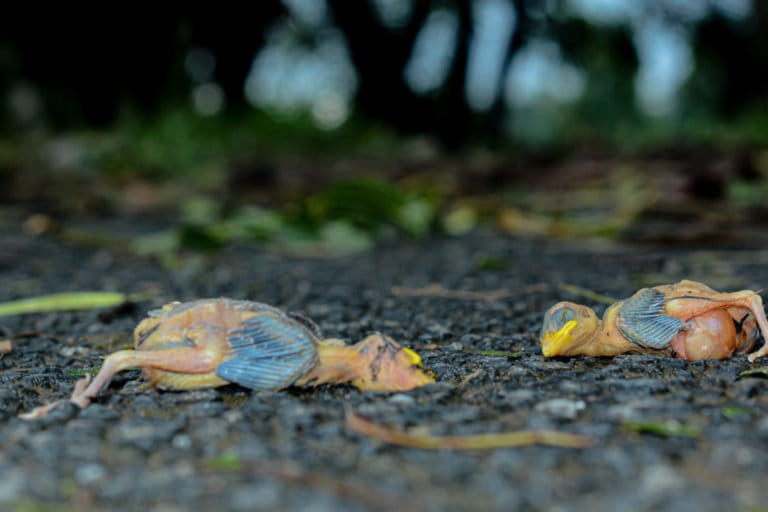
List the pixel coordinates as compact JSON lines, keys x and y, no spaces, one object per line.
{"x":88,"y":474}
{"x":561,"y":408}
{"x":402,"y":398}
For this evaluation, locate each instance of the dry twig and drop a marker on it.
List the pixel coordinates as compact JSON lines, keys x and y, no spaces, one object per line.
{"x":438,"y":290}
{"x":584,"y":292}
{"x":390,"y":435}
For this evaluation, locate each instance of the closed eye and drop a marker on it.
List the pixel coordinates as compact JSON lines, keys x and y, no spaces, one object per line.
{"x":558,"y":318}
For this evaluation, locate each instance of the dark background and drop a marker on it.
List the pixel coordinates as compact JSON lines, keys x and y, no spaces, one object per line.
{"x":488,"y":110}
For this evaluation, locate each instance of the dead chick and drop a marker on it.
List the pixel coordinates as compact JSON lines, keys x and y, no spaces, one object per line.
{"x":214,"y":342}
{"x":688,"y":319}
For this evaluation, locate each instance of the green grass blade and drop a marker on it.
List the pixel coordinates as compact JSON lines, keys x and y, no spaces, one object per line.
{"x":663,"y":429}
{"x":63,"y":302}
{"x":761,"y":371}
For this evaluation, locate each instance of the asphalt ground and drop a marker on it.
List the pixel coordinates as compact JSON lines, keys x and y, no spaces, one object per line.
{"x":668,"y":435}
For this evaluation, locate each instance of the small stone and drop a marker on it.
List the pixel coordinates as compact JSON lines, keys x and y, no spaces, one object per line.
{"x":207,"y":409}
{"x":641,"y":385}
{"x":561,"y":408}
{"x":660,"y":478}
{"x":182,"y":442}
{"x":401,"y":398}
{"x":265,"y":496}
{"x":11,"y":485}
{"x":520,"y":395}
{"x":88,"y":474}
{"x":761,"y":426}
{"x":572,"y":386}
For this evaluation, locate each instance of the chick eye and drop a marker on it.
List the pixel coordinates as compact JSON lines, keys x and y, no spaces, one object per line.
{"x":566,"y":315}
{"x":558,"y":319}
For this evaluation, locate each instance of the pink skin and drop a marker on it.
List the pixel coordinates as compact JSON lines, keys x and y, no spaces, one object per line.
{"x":708,"y":336}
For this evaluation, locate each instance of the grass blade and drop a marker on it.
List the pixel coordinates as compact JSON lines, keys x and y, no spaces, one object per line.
{"x":63,"y":302}
{"x":761,"y":371}
{"x":496,"y":353}
{"x":663,"y":429}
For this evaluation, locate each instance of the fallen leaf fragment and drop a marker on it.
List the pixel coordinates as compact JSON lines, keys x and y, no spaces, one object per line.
{"x":6,"y":346}
{"x":438,"y":290}
{"x":363,"y":426}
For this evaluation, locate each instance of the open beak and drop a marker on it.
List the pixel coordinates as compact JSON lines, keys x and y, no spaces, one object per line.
{"x":553,"y":343}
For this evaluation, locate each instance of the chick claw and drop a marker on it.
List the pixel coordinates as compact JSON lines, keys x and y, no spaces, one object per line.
{"x":78,"y":398}
{"x":40,"y":411}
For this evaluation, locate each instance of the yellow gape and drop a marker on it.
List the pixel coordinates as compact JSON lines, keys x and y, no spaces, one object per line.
{"x":552,"y":343}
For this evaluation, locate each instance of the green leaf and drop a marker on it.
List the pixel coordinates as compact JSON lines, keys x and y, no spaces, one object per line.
{"x":490,"y":263}
{"x":344,"y":237}
{"x":227,"y":461}
{"x":735,"y":412}
{"x":761,"y":372}
{"x":460,"y":220}
{"x":664,"y":429}
{"x":200,"y":211}
{"x":82,"y":372}
{"x":365,"y":203}
{"x":250,"y":223}
{"x":199,"y":238}
{"x":415,"y":216}
{"x":162,"y":242}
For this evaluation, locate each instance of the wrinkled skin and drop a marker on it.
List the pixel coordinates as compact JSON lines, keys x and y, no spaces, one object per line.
{"x":714,"y":325}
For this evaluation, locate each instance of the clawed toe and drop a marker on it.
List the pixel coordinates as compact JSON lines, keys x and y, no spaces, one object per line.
{"x":79,"y":396}
{"x":762,"y":352}
{"x":40,"y":411}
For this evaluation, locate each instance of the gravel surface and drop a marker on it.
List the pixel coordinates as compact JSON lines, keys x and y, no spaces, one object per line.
{"x":233,"y":449}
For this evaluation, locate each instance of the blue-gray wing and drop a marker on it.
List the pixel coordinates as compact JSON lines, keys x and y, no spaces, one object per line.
{"x":270,"y":352}
{"x":642,"y":320}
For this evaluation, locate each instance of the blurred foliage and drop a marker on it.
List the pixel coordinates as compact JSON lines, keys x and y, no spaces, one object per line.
{"x":76,"y":83}
{"x":347,"y":216}
{"x":180,"y":143}
{"x":125,"y":138}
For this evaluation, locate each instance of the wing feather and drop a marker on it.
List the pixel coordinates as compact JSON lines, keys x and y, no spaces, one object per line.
{"x":270,"y":352}
{"x":642,"y":320}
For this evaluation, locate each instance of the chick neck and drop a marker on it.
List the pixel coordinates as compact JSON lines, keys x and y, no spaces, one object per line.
{"x":337,"y":363}
{"x":603,"y":338}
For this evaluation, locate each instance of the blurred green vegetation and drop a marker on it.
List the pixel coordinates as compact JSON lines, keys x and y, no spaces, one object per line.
{"x":347,"y":216}
{"x":179,"y":143}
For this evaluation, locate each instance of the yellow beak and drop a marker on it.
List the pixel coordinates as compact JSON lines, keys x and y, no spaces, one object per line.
{"x":553,"y":343}
{"x":413,"y":356}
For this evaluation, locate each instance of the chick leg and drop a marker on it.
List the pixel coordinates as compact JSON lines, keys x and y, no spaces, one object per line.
{"x":686,"y":307}
{"x":191,"y":360}
{"x":180,"y":360}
